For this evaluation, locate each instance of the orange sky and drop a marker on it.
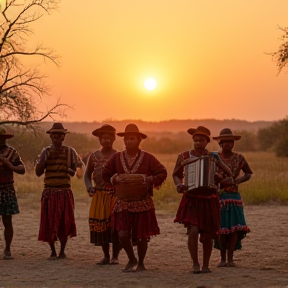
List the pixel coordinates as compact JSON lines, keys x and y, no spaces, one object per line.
{"x":208,"y":58}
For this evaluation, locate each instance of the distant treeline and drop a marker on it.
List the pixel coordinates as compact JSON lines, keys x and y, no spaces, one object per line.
{"x":273,"y":138}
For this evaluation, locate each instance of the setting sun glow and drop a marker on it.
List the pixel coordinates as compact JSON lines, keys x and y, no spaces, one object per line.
{"x":150,"y":84}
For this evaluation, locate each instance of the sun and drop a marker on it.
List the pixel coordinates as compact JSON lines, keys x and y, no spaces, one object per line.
{"x":150,"y":83}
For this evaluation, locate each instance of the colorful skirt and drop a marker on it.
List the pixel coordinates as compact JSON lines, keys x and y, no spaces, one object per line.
{"x":57,"y":215}
{"x":200,"y":211}
{"x":232,"y":218}
{"x":8,"y":200}
{"x":141,"y":225}
{"x":100,"y":218}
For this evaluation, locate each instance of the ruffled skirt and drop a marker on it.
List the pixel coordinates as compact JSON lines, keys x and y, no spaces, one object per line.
{"x":232,"y":217}
{"x":200,"y":211}
{"x":57,"y":215}
{"x":100,"y":218}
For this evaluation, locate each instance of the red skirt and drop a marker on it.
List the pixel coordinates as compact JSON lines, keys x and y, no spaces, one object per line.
{"x":57,"y":215}
{"x":200,"y":211}
{"x":141,"y":225}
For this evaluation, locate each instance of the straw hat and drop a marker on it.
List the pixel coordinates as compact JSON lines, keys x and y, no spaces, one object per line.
{"x":104,"y":129}
{"x":57,"y":128}
{"x":132,"y":129}
{"x":200,"y":130}
{"x":226,"y":134}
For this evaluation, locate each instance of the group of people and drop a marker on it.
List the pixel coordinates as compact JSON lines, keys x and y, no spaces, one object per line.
{"x":121,"y":184}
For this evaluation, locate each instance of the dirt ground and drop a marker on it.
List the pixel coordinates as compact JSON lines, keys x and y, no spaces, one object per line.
{"x":263,"y":261}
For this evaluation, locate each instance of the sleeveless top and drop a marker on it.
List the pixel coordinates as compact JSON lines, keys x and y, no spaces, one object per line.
{"x":57,"y":165}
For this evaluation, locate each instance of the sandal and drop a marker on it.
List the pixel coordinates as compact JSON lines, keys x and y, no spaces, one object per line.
{"x":196,"y":269}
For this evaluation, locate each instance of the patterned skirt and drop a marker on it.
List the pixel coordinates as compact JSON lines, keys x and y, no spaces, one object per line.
{"x":57,"y":215}
{"x":8,"y":200}
{"x":100,"y":218}
{"x":232,"y":218}
{"x":141,"y":225}
{"x":200,"y":211}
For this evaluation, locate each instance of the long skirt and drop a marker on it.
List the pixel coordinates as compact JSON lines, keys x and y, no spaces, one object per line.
{"x":100,"y":218}
{"x":8,"y":200}
{"x":200,"y":211}
{"x":232,"y":218}
{"x":57,"y":215}
{"x":141,"y":225}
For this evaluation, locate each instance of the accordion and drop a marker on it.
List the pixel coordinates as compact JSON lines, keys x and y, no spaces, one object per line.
{"x":131,"y":187}
{"x":200,"y":173}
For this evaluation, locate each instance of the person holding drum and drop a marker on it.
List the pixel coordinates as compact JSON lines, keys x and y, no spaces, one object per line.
{"x":233,"y":224}
{"x":10,"y":163}
{"x":134,"y":173}
{"x":102,"y":198}
{"x":199,"y":209}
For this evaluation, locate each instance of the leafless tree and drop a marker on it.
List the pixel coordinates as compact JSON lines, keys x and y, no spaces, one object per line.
{"x":22,"y":87}
{"x":281,"y":56}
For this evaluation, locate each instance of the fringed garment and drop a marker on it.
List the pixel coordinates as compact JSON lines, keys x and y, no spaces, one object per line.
{"x":136,"y":217}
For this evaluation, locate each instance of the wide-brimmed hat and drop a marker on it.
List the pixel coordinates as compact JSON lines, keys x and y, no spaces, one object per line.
{"x":57,"y":128}
{"x":4,"y":133}
{"x":132,"y":129}
{"x":200,"y":130}
{"x":104,"y":129}
{"x":226,"y":134}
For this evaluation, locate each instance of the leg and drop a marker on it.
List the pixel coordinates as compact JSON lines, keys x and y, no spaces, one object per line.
{"x":193,"y":247}
{"x":125,"y":240}
{"x":223,"y":248}
{"x":232,"y":240}
{"x":8,"y":235}
{"x":62,"y":254}
{"x":53,"y":255}
{"x":106,"y":259}
{"x":142,"y":247}
{"x":207,"y":250}
{"x":116,"y":247}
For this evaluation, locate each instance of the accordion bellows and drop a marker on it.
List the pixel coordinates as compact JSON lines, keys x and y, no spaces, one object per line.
{"x":131,"y":187}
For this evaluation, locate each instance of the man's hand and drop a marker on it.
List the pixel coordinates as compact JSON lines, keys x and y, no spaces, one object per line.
{"x":181,"y":188}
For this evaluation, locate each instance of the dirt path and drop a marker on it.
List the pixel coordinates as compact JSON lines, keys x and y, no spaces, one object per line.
{"x":263,"y":261}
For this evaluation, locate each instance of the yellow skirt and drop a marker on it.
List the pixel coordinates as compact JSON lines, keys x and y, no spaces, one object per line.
{"x":100,"y":217}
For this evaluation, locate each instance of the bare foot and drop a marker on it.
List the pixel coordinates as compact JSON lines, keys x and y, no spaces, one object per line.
{"x":196,"y":269}
{"x":114,"y":261}
{"x":140,"y":267}
{"x":62,"y":255}
{"x":53,"y":256}
{"x":104,"y":261}
{"x":7,"y":255}
{"x":131,"y":265}
{"x":231,"y":264}
{"x":222,"y":264}
{"x":205,"y":270}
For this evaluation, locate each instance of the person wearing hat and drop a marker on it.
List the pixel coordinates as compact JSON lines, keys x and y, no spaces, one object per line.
{"x":58,"y":163}
{"x":134,"y":214}
{"x":233,"y":224}
{"x":102,"y":197}
{"x":198,"y":211}
{"x":10,"y":163}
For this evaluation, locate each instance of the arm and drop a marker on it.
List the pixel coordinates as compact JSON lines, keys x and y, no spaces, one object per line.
{"x":88,"y":176}
{"x":158,"y":173}
{"x":18,"y":167}
{"x":178,"y":175}
{"x":247,"y":172}
{"x":41,"y":162}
